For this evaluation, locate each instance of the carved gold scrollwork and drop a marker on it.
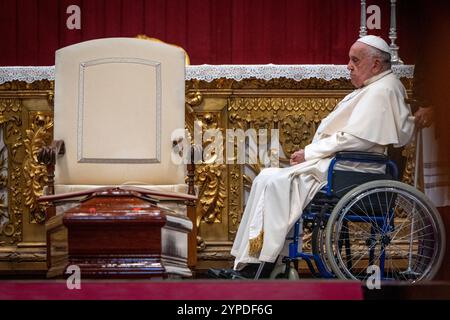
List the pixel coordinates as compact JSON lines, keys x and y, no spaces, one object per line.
{"x":194,"y":98}
{"x":37,"y":136}
{"x":212,"y":193}
{"x":10,"y":113}
{"x":210,"y":176}
{"x":295,"y":133}
{"x":235,"y":203}
{"x":4,"y":214}
{"x":409,"y":152}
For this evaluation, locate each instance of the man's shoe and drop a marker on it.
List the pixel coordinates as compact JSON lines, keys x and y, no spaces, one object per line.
{"x":214,"y":273}
{"x":248,"y":272}
{"x":225,"y":274}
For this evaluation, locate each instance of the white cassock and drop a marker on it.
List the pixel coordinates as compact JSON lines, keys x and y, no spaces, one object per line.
{"x":368,"y":119}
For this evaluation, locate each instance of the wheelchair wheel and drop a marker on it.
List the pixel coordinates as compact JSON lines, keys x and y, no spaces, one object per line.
{"x":388,"y":225}
{"x":318,"y":244}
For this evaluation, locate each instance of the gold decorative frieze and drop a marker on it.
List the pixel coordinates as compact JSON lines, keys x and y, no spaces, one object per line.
{"x":39,"y":85}
{"x":273,"y":84}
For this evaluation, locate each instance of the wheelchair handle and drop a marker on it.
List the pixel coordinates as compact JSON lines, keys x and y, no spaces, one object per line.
{"x":356,"y":156}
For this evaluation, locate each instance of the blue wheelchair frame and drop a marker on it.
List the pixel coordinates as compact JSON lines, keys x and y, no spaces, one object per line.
{"x":325,"y":206}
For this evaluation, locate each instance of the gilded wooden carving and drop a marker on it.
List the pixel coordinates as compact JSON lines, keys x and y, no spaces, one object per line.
{"x":10,"y":120}
{"x":22,"y":237}
{"x":35,"y":174}
{"x":212,"y":193}
{"x":273,"y":84}
{"x":38,"y":85}
{"x":235,"y":200}
{"x":409,"y":152}
{"x":210,"y":176}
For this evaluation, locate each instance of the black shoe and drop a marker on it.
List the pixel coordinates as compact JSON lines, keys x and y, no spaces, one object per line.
{"x":248,"y":272}
{"x":225,"y":274}
{"x":213,"y":273}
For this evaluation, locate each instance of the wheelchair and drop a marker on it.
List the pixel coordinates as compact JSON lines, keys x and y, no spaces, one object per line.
{"x":363,"y":223}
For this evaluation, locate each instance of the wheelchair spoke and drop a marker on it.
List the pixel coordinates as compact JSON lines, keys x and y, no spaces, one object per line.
{"x":402,"y":226}
{"x":365,"y":210}
{"x":372,"y":221}
{"x":359,"y":253}
{"x":390,"y":201}
{"x":388,"y":220}
{"x":355,"y":224}
{"x":415,"y":254}
{"x":415,"y":232}
{"x":408,"y":227}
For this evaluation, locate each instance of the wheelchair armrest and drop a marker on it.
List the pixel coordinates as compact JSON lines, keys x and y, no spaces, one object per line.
{"x":361,"y":156}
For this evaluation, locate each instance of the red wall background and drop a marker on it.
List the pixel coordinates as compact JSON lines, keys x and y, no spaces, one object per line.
{"x":211,"y":31}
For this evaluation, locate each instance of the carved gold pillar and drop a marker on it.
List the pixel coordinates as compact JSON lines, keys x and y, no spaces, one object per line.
{"x":26,"y":121}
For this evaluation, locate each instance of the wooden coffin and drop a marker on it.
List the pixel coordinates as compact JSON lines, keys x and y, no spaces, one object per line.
{"x":118,"y":234}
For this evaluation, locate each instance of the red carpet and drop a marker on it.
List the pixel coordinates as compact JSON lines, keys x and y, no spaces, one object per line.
{"x":183,"y":290}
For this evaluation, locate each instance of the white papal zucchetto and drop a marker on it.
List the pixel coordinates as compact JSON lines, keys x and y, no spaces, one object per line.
{"x":376,"y":42}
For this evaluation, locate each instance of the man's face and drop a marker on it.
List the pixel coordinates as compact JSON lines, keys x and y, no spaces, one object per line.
{"x":361,"y":64}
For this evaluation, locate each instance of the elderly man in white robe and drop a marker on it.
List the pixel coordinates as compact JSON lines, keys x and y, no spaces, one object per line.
{"x":368,"y":119}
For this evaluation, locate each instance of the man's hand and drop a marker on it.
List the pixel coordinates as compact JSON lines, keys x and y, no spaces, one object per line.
{"x":424,"y":117}
{"x":297,"y":157}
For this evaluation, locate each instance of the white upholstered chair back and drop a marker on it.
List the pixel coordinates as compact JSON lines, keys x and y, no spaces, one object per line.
{"x":117,"y":102}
